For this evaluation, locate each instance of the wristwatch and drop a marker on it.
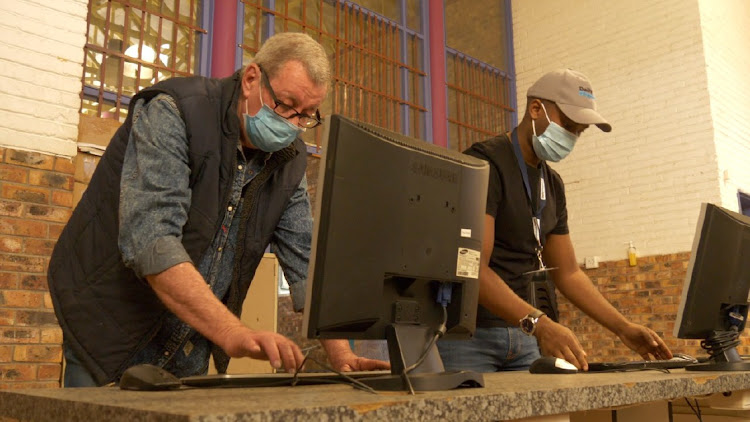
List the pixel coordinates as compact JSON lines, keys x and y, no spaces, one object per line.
{"x":528,"y":323}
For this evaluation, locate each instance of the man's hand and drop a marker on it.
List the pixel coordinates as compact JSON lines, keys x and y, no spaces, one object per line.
{"x":557,"y":340}
{"x":644,"y":341}
{"x":346,"y":362}
{"x":343,"y":359}
{"x":240,"y":341}
{"x":184,"y":292}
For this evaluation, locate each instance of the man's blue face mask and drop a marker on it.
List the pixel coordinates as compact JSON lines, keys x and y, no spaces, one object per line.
{"x":555,"y":143}
{"x":267,"y":130}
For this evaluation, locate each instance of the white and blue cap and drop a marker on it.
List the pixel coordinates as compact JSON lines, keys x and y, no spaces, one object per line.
{"x":573,"y":94}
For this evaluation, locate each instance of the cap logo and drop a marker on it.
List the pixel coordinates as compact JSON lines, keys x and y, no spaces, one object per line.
{"x":586,"y":92}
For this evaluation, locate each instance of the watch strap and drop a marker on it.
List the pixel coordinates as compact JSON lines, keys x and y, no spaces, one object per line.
{"x":536,"y":314}
{"x":532,"y":318}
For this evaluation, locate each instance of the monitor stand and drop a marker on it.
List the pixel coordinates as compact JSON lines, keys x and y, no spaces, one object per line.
{"x":724,"y":357}
{"x":406,"y":343}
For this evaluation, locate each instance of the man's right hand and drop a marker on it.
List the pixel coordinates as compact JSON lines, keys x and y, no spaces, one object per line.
{"x":557,"y":340}
{"x":241,"y":341}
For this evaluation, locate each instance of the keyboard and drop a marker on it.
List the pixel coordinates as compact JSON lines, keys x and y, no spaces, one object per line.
{"x":276,"y":380}
{"x":635,"y":365}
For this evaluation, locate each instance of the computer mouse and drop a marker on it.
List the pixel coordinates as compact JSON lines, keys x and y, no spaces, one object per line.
{"x":552,"y":365}
{"x":146,"y":377}
{"x":678,"y":357}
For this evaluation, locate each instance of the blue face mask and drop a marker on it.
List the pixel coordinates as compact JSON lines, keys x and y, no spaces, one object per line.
{"x":555,"y":143}
{"x":268,"y":131}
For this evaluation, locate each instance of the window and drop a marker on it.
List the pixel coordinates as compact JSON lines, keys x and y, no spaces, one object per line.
{"x":478,"y":101}
{"x":479,"y":72}
{"x":376,"y":49}
{"x":133,"y":44}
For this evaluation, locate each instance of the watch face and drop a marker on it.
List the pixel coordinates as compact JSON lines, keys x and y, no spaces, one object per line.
{"x":527,"y":326}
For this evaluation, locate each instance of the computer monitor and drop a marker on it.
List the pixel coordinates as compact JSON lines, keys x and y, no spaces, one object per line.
{"x":398,"y":228}
{"x":715,"y":298}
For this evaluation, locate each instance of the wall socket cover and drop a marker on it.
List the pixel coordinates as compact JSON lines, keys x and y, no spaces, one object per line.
{"x":591,"y":262}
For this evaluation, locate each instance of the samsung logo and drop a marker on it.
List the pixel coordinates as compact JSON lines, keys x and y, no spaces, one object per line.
{"x":424,"y":169}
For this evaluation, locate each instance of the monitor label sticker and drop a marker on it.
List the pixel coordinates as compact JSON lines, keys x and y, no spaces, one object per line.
{"x":465,"y":232}
{"x":468,"y":263}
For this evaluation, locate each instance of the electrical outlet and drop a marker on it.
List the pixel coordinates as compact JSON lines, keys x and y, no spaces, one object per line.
{"x":591,"y":262}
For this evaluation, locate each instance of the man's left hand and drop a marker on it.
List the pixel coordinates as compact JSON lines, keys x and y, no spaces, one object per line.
{"x":343,"y":359}
{"x":645,"y":342}
{"x":351,"y":362}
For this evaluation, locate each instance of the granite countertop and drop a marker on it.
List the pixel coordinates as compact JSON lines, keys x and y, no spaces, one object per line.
{"x":508,"y":395}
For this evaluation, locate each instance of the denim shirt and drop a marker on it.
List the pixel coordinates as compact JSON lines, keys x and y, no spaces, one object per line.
{"x":154,"y":202}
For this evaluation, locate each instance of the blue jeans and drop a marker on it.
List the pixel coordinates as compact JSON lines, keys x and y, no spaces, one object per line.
{"x":490,"y":350}
{"x":76,"y":375}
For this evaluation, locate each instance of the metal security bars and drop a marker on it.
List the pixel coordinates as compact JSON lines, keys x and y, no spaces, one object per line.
{"x":377,"y":58}
{"x":479,"y":102}
{"x":132,"y":45}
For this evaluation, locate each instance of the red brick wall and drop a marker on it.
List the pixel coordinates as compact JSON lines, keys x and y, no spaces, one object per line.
{"x":648,"y":294}
{"x":35,"y":202}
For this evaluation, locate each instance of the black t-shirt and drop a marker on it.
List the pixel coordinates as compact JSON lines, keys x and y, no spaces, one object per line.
{"x":514,"y":252}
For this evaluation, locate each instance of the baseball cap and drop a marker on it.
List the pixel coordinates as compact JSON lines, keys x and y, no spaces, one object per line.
{"x":572,"y":93}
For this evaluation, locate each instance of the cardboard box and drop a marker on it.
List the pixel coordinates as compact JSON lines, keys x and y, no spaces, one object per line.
{"x":259,"y":312}
{"x":96,"y":130}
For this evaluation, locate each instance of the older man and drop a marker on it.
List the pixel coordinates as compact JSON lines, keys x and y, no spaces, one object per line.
{"x":157,"y":258}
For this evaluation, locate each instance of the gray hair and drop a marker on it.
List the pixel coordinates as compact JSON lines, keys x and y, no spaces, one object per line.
{"x":287,"y":46}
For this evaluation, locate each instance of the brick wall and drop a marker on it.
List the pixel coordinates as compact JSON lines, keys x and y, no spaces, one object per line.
{"x":648,"y":294}
{"x":725,"y":24}
{"x":35,"y":202}
{"x":40,"y":76}
{"x":645,"y":180}
{"x":40,"y":84}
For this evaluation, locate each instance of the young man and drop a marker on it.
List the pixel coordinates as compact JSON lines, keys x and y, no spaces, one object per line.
{"x":157,"y":258}
{"x":526,"y":235}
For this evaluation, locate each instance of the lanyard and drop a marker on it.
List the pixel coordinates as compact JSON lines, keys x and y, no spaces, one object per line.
{"x":536,"y":218}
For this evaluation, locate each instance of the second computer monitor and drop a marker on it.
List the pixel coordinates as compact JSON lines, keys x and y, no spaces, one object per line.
{"x":398,"y":229}
{"x":714,"y":303}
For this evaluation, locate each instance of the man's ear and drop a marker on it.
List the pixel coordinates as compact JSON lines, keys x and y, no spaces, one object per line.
{"x":535,"y":108}
{"x":249,"y":76}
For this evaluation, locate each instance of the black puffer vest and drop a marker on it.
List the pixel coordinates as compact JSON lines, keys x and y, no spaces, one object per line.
{"x":106,"y":312}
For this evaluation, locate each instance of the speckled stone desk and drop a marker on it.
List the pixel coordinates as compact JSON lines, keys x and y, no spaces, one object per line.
{"x":507,"y":396}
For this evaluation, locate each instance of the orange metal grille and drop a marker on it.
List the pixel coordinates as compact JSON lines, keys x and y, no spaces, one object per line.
{"x":478,"y":98}
{"x":365,"y":49}
{"x":132,"y":45}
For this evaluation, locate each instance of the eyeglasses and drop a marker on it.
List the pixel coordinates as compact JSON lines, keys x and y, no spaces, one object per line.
{"x":305,"y":120}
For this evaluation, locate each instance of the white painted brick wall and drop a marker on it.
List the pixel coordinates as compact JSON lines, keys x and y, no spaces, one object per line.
{"x":725,"y":37}
{"x":41,"y":60}
{"x":645,"y":180}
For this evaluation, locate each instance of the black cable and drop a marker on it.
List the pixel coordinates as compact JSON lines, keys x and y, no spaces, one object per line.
{"x":351,"y":381}
{"x":604,"y":371}
{"x":439,"y":333}
{"x":698,"y":406}
{"x":696,"y":410}
{"x":404,"y":374}
{"x":720,"y":341}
